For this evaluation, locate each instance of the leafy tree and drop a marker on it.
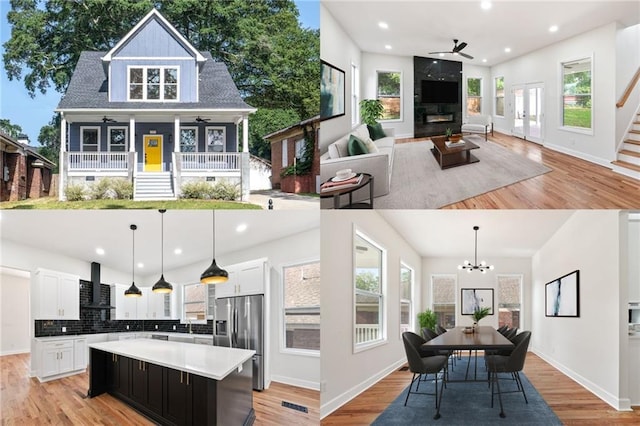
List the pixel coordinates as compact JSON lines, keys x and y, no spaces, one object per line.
{"x":473,"y":86}
{"x":367,"y":281}
{"x":264,"y":122}
{"x":389,"y":83}
{"x":49,"y":138}
{"x":9,"y":128}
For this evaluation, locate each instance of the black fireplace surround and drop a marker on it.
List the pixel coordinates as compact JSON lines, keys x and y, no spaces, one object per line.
{"x":437,"y":89}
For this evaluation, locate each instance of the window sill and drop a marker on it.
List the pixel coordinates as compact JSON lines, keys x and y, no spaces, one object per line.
{"x":300,"y":352}
{"x":579,"y":130}
{"x":369,"y":345}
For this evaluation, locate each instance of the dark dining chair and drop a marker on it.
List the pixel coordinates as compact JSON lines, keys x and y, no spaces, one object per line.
{"x":420,"y":365}
{"x":429,"y":334}
{"x":502,"y":329}
{"x":513,"y":364}
{"x":440,"y":329}
{"x":511,"y":333}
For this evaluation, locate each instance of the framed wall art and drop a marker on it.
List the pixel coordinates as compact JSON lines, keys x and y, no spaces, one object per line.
{"x":332,"y":91}
{"x":562,"y":296}
{"x":475,"y":298}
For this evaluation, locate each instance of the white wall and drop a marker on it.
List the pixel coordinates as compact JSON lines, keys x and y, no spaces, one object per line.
{"x":627,"y":63}
{"x":503,"y":266}
{"x":371,"y":63}
{"x":346,"y":374}
{"x":339,"y":50}
{"x":544,"y":66}
{"x":587,"y":349}
{"x":14,"y":312}
{"x":298,"y":370}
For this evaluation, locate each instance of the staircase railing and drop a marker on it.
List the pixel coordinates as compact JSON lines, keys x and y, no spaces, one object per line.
{"x":629,"y":89}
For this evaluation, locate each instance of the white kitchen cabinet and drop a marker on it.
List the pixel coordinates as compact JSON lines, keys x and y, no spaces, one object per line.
{"x":229,"y":288}
{"x":158,"y":305}
{"x":79,"y":354}
{"x":55,"y":295}
{"x":244,"y":279}
{"x":126,"y":307}
{"x":56,"y":359}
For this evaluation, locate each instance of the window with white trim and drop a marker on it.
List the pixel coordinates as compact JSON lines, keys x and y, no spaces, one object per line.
{"x":406,"y":298}
{"x":216,"y":138}
{"x":443,"y":299}
{"x":510,"y":300}
{"x":188,"y":139}
{"x":285,"y":152}
{"x":389,"y":92}
{"x":194,"y":303}
{"x":301,"y":307}
{"x":118,"y":140}
{"x":576,"y":94}
{"x":369,"y":292}
{"x":355,"y":95}
{"x":300,"y":149}
{"x":474,"y":96}
{"x":90,"y":139}
{"x":153,"y":83}
{"x":499,"y":99}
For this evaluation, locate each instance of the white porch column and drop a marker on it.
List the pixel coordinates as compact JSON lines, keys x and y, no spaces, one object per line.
{"x":132,"y":134}
{"x":176,"y":133}
{"x":245,"y":134}
{"x":62,"y":167}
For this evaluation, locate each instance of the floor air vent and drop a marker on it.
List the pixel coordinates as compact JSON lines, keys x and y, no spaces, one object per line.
{"x":295,"y":406}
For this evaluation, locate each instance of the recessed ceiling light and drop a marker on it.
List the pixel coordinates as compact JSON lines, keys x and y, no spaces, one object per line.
{"x":507,"y":49}
{"x":486,"y":5}
{"x":553,"y":28}
{"x":241,"y":228}
{"x":140,"y":265}
{"x":484,"y":60}
{"x":100,"y":251}
{"x":441,"y":55}
{"x":387,"y":46}
{"x":383,"y":25}
{"x":178,"y":251}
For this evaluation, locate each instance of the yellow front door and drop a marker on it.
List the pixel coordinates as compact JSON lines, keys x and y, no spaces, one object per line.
{"x":152,"y":153}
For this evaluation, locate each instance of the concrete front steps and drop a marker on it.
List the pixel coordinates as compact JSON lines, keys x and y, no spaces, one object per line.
{"x":628,"y":161}
{"x":154,"y":186}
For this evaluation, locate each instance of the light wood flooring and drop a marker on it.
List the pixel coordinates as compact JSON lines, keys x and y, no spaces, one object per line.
{"x":571,"y":184}
{"x":573,"y":404}
{"x":26,"y":401}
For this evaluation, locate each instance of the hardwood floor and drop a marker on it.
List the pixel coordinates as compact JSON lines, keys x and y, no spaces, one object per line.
{"x":26,"y":401}
{"x":572,"y":184}
{"x":571,"y":402}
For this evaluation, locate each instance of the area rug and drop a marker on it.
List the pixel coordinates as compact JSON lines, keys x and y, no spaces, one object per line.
{"x":469,"y":403}
{"x":417,"y":182}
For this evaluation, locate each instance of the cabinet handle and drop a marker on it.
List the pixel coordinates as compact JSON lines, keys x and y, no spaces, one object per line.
{"x":187,"y":379}
{"x":181,"y":377}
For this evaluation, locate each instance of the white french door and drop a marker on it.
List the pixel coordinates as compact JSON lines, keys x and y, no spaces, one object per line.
{"x":528,"y":111}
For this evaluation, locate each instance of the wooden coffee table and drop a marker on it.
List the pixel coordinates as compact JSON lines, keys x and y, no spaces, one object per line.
{"x":453,"y":157}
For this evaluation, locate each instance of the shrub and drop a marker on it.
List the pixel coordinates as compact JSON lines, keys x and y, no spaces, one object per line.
{"x":123,"y":189}
{"x":225,"y":191}
{"x":75,"y":192}
{"x":102,"y":190}
{"x":201,"y":190}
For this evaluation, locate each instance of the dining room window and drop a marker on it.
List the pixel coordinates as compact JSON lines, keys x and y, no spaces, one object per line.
{"x":443,"y":299}
{"x":369,"y":292}
{"x":406,"y":298}
{"x":510,"y":300}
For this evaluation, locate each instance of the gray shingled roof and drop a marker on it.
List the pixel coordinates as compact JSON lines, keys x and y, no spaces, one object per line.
{"x":88,"y":88}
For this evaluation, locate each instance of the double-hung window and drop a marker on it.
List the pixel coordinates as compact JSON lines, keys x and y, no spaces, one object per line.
{"x":510,"y":300}
{"x":153,"y":83}
{"x":188,"y":139}
{"x":90,"y":138}
{"x":576,"y":94}
{"x":474,"y":96}
{"x":389,"y":92}
{"x":443,"y":297}
{"x":406,"y":298}
{"x":369,"y":292}
{"x":499,"y":100}
{"x":194,"y":303}
{"x":118,"y":140}
{"x":301,"y":307}
{"x":216,"y":139}
{"x":355,"y":96}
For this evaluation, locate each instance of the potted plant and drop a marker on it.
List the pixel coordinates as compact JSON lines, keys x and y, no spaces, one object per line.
{"x":427,"y":319}
{"x":448,"y":133}
{"x":370,"y":111}
{"x":478,"y":314}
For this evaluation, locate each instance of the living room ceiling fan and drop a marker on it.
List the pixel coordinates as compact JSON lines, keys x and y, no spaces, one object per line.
{"x":456,"y":49}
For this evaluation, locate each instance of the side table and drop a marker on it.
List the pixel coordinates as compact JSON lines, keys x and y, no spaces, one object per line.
{"x":367,"y":179}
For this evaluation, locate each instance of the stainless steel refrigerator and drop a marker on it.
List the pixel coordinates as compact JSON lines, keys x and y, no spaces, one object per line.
{"x":239,"y":323}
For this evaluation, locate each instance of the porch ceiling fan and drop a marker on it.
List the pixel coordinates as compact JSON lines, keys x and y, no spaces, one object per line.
{"x":456,"y":49}
{"x":201,"y":120}
{"x":106,"y":119}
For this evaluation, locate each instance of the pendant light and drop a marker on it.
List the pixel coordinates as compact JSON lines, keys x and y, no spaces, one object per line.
{"x":162,"y":286}
{"x":133,"y":291}
{"x":214,"y":274}
{"x":482,"y":267}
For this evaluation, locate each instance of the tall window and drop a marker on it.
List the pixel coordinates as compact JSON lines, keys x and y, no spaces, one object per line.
{"x":576,"y":94}
{"x":90,"y":138}
{"x":443,"y":296}
{"x":216,"y":139}
{"x":355,"y":95}
{"x":369,"y":289}
{"x":406,"y":292}
{"x":194,"y":303}
{"x":389,"y":92}
{"x":301,"y":306}
{"x":474,"y":96}
{"x":510,"y":300}
{"x":300,"y":149}
{"x":117,"y":139}
{"x":499,"y":90}
{"x":188,"y":139}
{"x":153,"y":83}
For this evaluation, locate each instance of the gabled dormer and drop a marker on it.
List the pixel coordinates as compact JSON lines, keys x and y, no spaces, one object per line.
{"x":153,"y":63}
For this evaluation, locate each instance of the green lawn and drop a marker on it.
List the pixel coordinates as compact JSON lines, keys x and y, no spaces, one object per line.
{"x":577,"y":117}
{"x":52,"y":203}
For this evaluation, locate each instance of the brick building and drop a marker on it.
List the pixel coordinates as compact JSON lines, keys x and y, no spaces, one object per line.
{"x":25,"y":173}
{"x":287,"y":147}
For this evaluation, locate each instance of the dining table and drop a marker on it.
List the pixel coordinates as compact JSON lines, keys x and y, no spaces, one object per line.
{"x":456,"y":339}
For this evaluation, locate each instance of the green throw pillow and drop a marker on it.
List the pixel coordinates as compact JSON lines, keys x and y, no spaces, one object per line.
{"x":376,"y":131}
{"x":356,"y":146}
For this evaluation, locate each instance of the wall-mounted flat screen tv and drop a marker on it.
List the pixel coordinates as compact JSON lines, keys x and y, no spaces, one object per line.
{"x":439,"y":92}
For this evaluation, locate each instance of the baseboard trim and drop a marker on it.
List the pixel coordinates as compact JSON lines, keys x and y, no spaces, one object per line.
{"x":292,"y":381}
{"x":620,"y":404}
{"x":580,"y":155}
{"x":15,"y":352}
{"x":337,"y":402}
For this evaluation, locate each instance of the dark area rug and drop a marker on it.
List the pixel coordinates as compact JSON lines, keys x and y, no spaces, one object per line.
{"x":469,"y":403}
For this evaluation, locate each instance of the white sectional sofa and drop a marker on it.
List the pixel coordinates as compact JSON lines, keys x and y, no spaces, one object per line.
{"x":378,"y":164}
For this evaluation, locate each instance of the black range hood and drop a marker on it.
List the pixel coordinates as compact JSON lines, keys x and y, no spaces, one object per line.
{"x":95,"y":287}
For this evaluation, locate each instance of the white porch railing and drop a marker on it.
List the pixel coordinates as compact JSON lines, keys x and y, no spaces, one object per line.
{"x":367,"y":332}
{"x":98,"y":161}
{"x":207,"y":161}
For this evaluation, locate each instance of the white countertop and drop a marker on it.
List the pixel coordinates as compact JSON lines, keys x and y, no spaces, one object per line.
{"x":214,"y":362}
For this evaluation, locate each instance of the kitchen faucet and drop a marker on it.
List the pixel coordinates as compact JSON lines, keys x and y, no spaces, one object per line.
{"x":189,"y":321}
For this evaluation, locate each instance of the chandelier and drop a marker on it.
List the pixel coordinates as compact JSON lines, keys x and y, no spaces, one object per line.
{"x":482,"y":267}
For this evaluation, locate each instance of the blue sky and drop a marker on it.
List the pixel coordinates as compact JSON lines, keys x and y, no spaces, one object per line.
{"x":32,"y":114}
